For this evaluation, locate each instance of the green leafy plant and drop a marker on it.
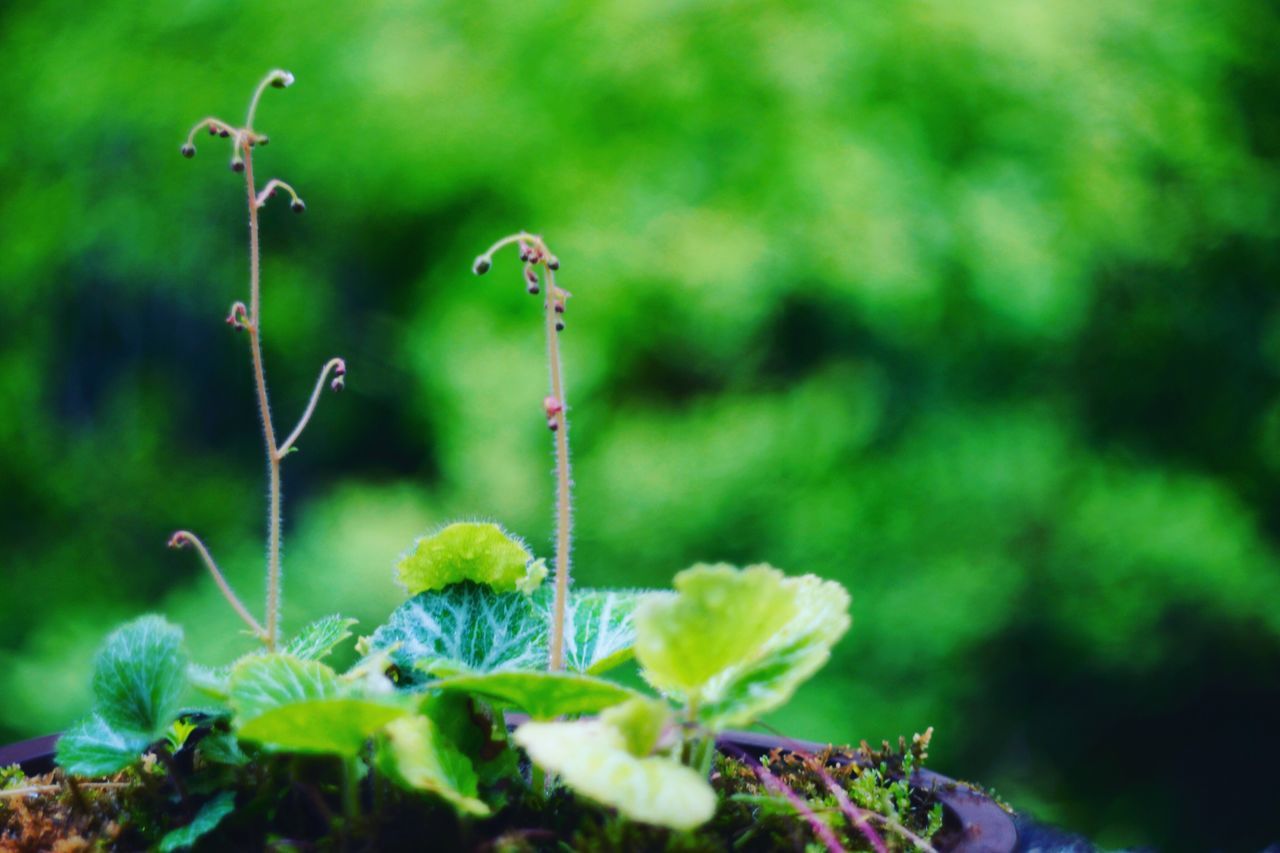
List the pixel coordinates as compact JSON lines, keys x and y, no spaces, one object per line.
{"x":424,"y":722}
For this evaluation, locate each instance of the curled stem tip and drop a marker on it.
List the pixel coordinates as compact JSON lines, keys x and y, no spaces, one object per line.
{"x":277,"y":78}
{"x":297,"y":205}
{"x":181,"y":539}
{"x":336,"y":366}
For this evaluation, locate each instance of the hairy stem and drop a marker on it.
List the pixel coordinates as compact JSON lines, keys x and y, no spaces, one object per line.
{"x":564,"y":485}
{"x":264,"y":405}
{"x":334,"y":364}
{"x":184,"y":537}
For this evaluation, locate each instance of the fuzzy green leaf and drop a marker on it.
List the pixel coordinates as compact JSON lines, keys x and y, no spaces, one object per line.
{"x":477,"y":731}
{"x":600,"y":632}
{"x":138,"y":679}
{"x":93,"y":747}
{"x":292,"y":705}
{"x":205,"y":821}
{"x":318,"y":639}
{"x":210,"y":680}
{"x":261,"y":683}
{"x":222,"y":748}
{"x":788,"y":658}
{"x":338,"y":726}
{"x":470,"y":551}
{"x":641,"y":722}
{"x":592,"y":758}
{"x":720,"y":617}
{"x":417,"y":755}
{"x":543,"y":695}
{"x":466,"y":628}
{"x":139,"y":676}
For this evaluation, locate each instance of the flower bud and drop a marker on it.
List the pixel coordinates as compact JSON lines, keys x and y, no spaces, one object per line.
{"x":340,"y":369}
{"x":559,"y":306}
{"x":224,"y":133}
{"x":298,"y":205}
{"x":482,"y":265}
{"x":213,"y":129}
{"x":559,"y":325}
{"x":237,"y":165}
{"x":338,"y":383}
{"x":553,"y":262}
{"x":531,"y":277}
{"x":188,"y":151}
{"x":177,"y":540}
{"x":281,"y":79}
{"x":552,"y":406}
{"x":553,"y":424}
{"x":261,"y":139}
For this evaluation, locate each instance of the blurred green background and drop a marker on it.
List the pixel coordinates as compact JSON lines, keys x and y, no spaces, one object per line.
{"x":969,"y":304}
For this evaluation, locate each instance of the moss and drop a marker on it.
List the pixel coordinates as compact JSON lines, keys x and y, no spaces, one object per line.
{"x":295,"y":803}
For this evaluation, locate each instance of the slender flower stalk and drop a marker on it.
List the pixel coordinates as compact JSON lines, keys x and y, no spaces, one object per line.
{"x":183,"y":538}
{"x":535,"y":255}
{"x":247,"y":318}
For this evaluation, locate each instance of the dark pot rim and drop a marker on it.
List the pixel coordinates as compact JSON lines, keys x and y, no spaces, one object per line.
{"x":982,"y":825}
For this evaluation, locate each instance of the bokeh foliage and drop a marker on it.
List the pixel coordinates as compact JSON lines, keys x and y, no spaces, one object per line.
{"x":969,"y":304}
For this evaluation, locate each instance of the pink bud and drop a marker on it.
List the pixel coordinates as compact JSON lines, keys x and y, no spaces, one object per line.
{"x":552,"y":406}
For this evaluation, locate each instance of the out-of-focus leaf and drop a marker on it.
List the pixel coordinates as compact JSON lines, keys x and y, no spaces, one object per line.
{"x":543,"y":695}
{"x":93,"y":747}
{"x":593,"y":758}
{"x":205,"y":821}
{"x":720,"y":617}
{"x":415,"y":753}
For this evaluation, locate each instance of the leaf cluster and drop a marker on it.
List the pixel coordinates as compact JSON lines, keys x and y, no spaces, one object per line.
{"x":424,"y":709}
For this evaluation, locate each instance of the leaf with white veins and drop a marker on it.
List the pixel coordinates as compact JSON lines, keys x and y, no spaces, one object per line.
{"x":463,"y":629}
{"x":93,"y":748}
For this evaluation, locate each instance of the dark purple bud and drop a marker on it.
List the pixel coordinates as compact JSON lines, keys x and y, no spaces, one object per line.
{"x":553,"y":424}
{"x":188,"y":151}
{"x":531,"y":277}
{"x":553,"y":262}
{"x":298,"y":205}
{"x":559,"y":325}
{"x":559,"y":307}
{"x":340,"y":369}
{"x":213,"y":130}
{"x":224,"y":133}
{"x":237,"y":165}
{"x":482,"y":265}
